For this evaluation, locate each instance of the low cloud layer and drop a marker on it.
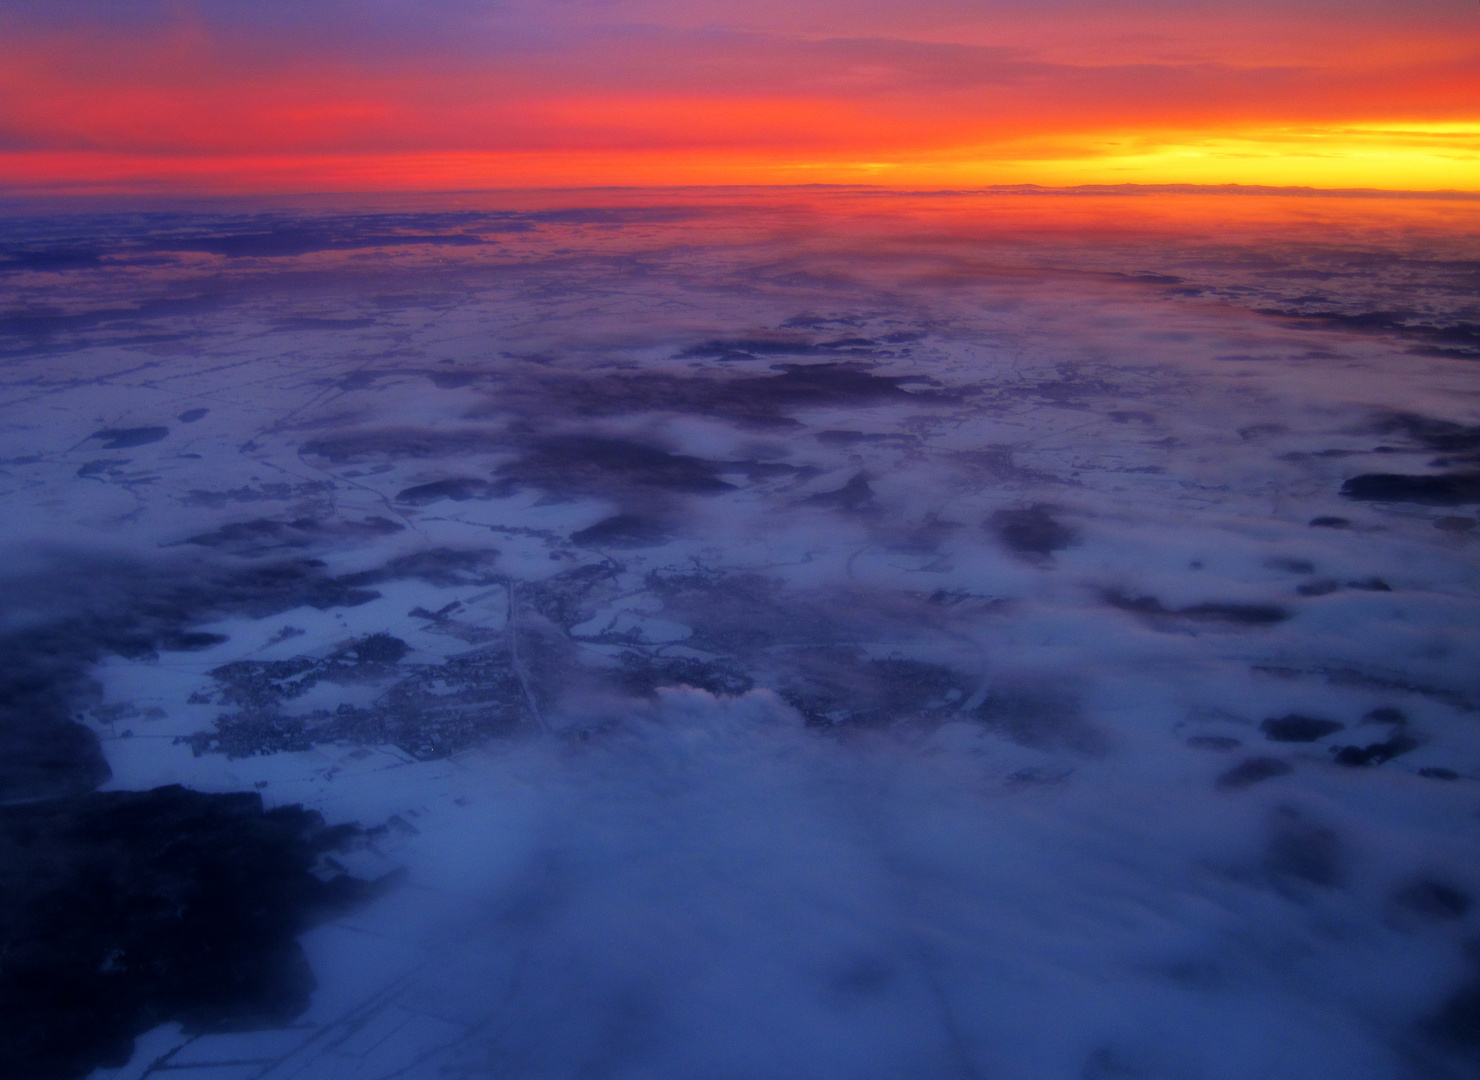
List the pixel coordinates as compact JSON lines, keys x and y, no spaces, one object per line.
{"x":1016,"y":636}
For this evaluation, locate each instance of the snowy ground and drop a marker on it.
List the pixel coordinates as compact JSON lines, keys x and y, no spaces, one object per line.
{"x":829,"y":636}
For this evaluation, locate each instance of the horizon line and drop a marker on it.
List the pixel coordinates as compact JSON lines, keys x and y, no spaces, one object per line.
{"x":15,"y":199}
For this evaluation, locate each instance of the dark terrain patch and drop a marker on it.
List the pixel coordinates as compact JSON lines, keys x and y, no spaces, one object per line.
{"x":43,"y":752}
{"x":50,"y":259}
{"x":572,"y":596}
{"x":1302,"y":850}
{"x":841,"y":686}
{"x":1250,"y":772}
{"x":102,"y":466}
{"x":642,"y":674}
{"x":1291,"y":566}
{"x":262,"y":535}
{"x":259,"y":591}
{"x":121,"y":911}
{"x":1458,"y":1022}
{"x":44,"y":325}
{"x":392,"y":443}
{"x":310,"y":322}
{"x":443,"y":567}
{"x":1376,"y":753}
{"x":763,"y":471}
{"x":1031,"y":531}
{"x":1457,"y":339}
{"x":854,"y":496}
{"x":190,"y":416}
{"x":1236,"y":614}
{"x":853,"y":438}
{"x":1214,"y":742}
{"x":458,"y":489}
{"x":1330,"y":522}
{"x":760,"y":401}
{"x":1297,"y":728}
{"x":1459,"y":443}
{"x":750,"y":348}
{"x":123,"y":438}
{"x":742,"y":613}
{"x":1434,"y":899}
{"x":289,"y":241}
{"x":594,"y":465}
{"x":924,"y":538}
{"x":1040,"y":717}
{"x":79,"y":615}
{"x":271,"y":492}
{"x":623,"y":531}
{"x":1450,"y":489}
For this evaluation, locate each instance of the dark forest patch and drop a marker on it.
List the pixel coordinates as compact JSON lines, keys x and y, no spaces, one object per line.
{"x":262,"y":536}
{"x":42,"y":751}
{"x":1434,"y":899}
{"x":1375,"y":753}
{"x":623,"y":531}
{"x":642,"y":674}
{"x":1210,"y":612}
{"x":291,"y":241}
{"x":457,"y":489}
{"x":749,"y":348}
{"x":761,"y":401}
{"x":121,"y":911}
{"x":444,"y":567}
{"x":853,"y":438}
{"x":1459,"y":442}
{"x":1217,"y":743}
{"x":1252,"y":771}
{"x":752,"y":348}
{"x":1457,"y":339}
{"x":51,"y":259}
{"x":391,"y":443}
{"x":1032,"y":531}
{"x":1297,"y":728}
{"x":843,"y":687}
{"x":130,"y":611}
{"x":42,"y":324}
{"x":1042,"y":717}
{"x":1302,"y":850}
{"x":595,"y":465}
{"x":1449,"y":489}
{"x":269,"y":492}
{"x":854,"y":496}
{"x":124,"y":438}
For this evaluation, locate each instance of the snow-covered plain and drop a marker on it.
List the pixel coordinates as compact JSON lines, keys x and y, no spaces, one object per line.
{"x":815,"y":635}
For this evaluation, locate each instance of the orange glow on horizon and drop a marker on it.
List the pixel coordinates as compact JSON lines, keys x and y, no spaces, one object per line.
{"x":182,"y":106}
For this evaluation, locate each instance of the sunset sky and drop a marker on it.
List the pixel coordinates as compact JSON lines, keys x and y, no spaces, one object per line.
{"x":333,"y":95}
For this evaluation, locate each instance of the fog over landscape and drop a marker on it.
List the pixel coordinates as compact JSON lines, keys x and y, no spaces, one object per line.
{"x":805,"y":633}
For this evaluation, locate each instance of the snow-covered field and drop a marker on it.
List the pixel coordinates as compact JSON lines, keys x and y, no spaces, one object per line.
{"x":818,"y":635}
